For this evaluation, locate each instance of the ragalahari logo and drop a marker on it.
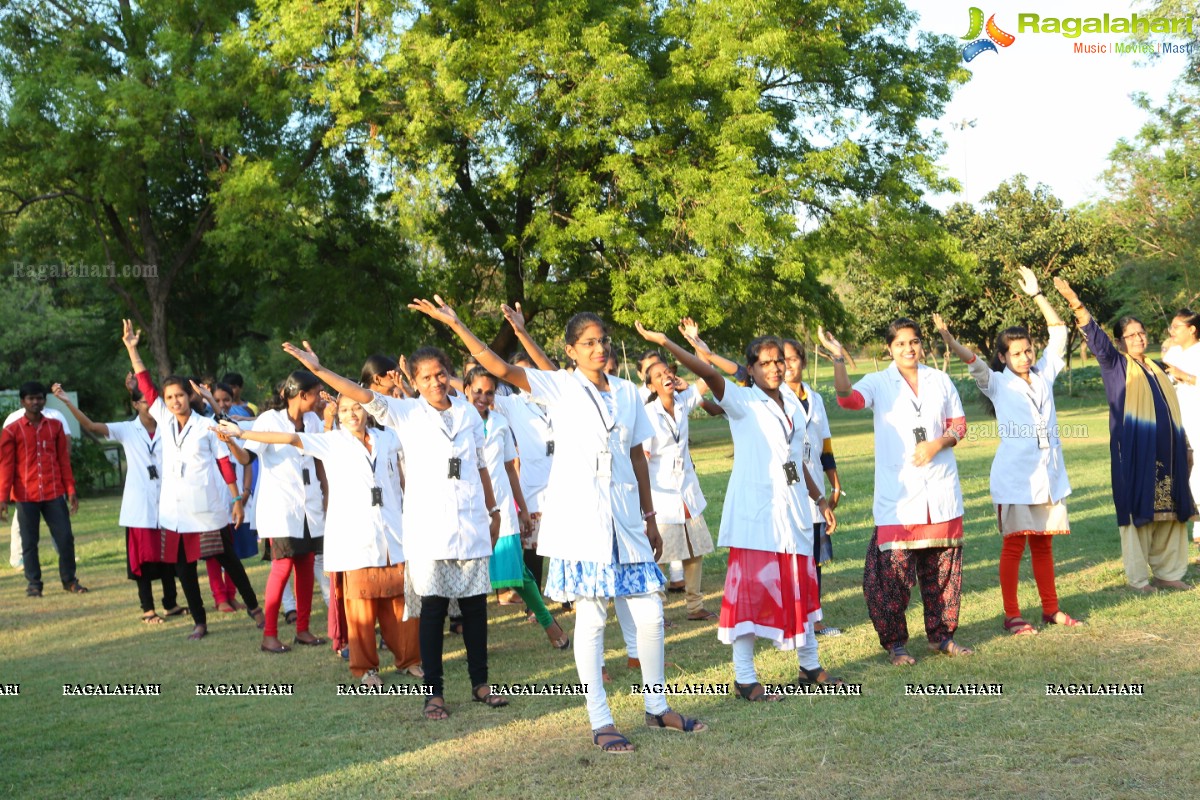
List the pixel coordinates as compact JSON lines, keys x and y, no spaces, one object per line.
{"x":995,"y":36}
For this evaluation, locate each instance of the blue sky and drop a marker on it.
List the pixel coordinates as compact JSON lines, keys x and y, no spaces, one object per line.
{"x":1040,"y":108}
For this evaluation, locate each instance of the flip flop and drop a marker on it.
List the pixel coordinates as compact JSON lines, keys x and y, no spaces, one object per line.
{"x":690,"y":725}
{"x":613,"y":743}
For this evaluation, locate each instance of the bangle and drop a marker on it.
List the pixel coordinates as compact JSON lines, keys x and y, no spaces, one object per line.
{"x":473,"y":355}
{"x":1036,"y":294}
{"x":237,"y":499}
{"x":648,"y":515}
{"x":493,"y":511}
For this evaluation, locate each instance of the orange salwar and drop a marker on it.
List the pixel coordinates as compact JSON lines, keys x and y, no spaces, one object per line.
{"x":362,"y":613}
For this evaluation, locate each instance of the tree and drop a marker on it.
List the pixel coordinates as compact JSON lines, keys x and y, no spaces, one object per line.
{"x":648,"y":159}
{"x":134,"y":117}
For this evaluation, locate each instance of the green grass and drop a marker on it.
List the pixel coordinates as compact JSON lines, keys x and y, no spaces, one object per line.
{"x":880,"y":745}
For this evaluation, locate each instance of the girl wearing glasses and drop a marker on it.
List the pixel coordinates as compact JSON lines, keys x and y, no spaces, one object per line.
{"x":1148,"y":450}
{"x":1029,"y":478}
{"x":1182,"y":356}
{"x":918,"y":500}
{"x":771,"y":583}
{"x":599,"y":532}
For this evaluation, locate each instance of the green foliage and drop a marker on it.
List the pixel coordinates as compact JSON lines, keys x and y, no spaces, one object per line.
{"x":644,"y":160}
{"x":91,"y":466}
{"x":1154,"y":211}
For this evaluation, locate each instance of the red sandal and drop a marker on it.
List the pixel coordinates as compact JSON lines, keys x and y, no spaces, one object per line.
{"x":1018,"y":626}
{"x":1060,"y":618}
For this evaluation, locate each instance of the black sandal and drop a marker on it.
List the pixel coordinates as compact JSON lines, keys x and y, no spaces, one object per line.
{"x":260,"y":619}
{"x":177,"y":611}
{"x":746,"y":691}
{"x":490,"y":700}
{"x":436,"y":712}
{"x":289,"y":618}
{"x":152,"y":618}
{"x":817,"y":677}
{"x":689,"y":725}
{"x":616,"y":740}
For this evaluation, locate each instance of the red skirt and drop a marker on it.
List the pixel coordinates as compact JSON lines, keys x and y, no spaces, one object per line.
{"x":771,"y":595}
{"x":143,"y":548}
{"x":196,"y":546}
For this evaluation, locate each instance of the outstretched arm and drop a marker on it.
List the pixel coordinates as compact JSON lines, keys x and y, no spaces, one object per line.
{"x":233,"y":431}
{"x":705,"y":371}
{"x":341,"y":385}
{"x":493,"y":363}
{"x":841,"y":378}
{"x":1029,"y":285}
{"x":516,"y":318}
{"x":965,"y":354}
{"x":94,"y":428}
{"x":691,"y":332}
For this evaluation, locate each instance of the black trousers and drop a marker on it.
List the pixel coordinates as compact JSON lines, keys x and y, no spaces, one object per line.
{"x":58,"y":520}
{"x":474,"y":622}
{"x":170,"y":597}
{"x":186,"y":572}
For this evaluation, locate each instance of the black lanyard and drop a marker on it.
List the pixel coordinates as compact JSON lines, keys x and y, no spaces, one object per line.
{"x":789,"y":430}
{"x":670,"y":421}
{"x":153,"y":444}
{"x":1036,"y":405}
{"x":544,"y":417}
{"x":607,"y":428}
{"x":179,"y":442}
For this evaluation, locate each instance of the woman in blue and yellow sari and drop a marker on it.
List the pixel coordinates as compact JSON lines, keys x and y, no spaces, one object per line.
{"x":1149,"y":449}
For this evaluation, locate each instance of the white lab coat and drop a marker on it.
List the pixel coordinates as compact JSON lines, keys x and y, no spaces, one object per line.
{"x":673,"y":481}
{"x":283,"y":501}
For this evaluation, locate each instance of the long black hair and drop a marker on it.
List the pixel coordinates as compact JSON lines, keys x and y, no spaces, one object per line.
{"x":293,"y":385}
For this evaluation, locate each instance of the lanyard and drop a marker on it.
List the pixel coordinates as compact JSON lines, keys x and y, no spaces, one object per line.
{"x":1037,"y":407}
{"x":789,"y":430}
{"x":543,"y":416}
{"x":174,"y":435}
{"x":607,"y":428}
{"x":670,"y":422}
{"x":153,"y":444}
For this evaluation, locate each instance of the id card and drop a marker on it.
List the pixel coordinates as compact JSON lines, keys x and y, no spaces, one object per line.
{"x":604,"y":464}
{"x":791,"y":473}
{"x":677,"y":465}
{"x":376,"y":496}
{"x":454,"y":468}
{"x":919,"y":434}
{"x":304,"y":474}
{"x":550,"y":448}
{"x":1043,"y":438}
{"x":807,"y":452}
{"x":153,"y":470}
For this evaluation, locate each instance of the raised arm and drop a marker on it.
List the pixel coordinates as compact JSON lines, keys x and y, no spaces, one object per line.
{"x":233,"y":431}
{"x":1029,"y":285}
{"x":516,"y":318}
{"x":130,"y":338}
{"x":493,"y":363}
{"x":841,"y":379}
{"x":965,"y":354}
{"x":1102,"y":347}
{"x":691,"y":332}
{"x":341,"y":385}
{"x":94,"y":428}
{"x":705,"y":371}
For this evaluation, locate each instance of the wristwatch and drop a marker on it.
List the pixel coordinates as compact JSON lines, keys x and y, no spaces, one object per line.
{"x":493,"y":511}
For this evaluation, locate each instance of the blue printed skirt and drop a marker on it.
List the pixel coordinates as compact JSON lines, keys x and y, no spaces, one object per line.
{"x":569,"y":580}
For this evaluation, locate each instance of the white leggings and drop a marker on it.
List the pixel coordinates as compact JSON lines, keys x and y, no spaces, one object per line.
{"x":289,"y":597}
{"x":743,"y":657}
{"x":645,"y":610}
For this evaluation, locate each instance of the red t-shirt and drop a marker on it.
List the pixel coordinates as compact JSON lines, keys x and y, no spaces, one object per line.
{"x":35,"y":461}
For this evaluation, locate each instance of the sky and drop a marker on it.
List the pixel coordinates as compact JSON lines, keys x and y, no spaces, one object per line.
{"x":1038,"y":107}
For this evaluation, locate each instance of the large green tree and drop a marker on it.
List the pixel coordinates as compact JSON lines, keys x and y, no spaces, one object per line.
{"x":644,"y":159}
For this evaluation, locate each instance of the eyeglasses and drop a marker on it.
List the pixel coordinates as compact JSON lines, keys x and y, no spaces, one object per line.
{"x":590,"y":343}
{"x":1138,"y":335}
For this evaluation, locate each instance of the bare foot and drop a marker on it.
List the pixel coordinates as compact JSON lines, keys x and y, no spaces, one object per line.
{"x":1172,"y":584}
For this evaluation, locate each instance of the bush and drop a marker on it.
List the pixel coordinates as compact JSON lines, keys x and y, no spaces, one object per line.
{"x":94,"y":470}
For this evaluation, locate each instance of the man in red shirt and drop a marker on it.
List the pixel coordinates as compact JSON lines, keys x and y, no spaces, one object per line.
{"x":35,"y":471}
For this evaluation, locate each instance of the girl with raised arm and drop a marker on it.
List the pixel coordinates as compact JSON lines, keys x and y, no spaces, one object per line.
{"x":507,"y":567}
{"x":448,"y":501}
{"x":139,"y":501}
{"x":918,"y":500}
{"x":599,"y":530}
{"x":1148,"y":450}
{"x":290,"y":510}
{"x":771,"y":583}
{"x":363,"y":528}
{"x":1182,"y":357}
{"x":1029,"y":478}
{"x":193,"y":515}
{"x":676,"y":488}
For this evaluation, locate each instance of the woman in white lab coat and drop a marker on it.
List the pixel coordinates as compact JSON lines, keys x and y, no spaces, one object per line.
{"x":507,"y":568}
{"x":448,"y":501}
{"x":766,"y":521}
{"x":599,"y":531}
{"x":918,"y":500}
{"x":193,"y":512}
{"x":1181,"y":353}
{"x":363,"y":537}
{"x":139,"y":501}
{"x":1029,"y":478}
{"x":678,"y":501}
{"x":290,"y":505}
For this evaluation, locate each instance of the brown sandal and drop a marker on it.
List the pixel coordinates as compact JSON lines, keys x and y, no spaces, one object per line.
{"x":435,"y":708}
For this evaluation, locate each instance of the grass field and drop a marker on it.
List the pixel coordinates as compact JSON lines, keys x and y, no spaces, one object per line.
{"x":883,"y":744}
